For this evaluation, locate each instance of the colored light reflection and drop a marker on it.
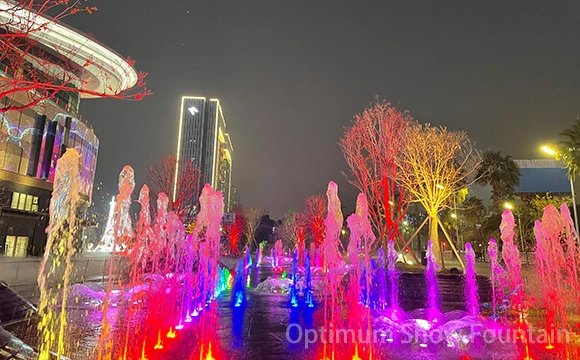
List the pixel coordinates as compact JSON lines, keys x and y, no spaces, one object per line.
{"x":159,"y":344}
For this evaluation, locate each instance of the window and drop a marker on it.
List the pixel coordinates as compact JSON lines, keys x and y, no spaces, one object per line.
{"x":21,"y":201}
{"x":16,"y":246}
{"x":14,"y":204}
{"x":28,"y":206}
{"x":25,"y":202}
{"x":35,"y":203}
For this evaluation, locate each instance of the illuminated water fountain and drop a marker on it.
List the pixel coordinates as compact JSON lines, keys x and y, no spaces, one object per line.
{"x":332,"y":263}
{"x":471,"y":293}
{"x":361,"y":242}
{"x":294,"y":281}
{"x":247,"y":258}
{"x":239,"y":287}
{"x":556,"y":265}
{"x":62,"y":232}
{"x":308,"y":293}
{"x":162,"y":282}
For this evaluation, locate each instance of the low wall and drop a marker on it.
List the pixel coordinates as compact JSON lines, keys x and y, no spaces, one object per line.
{"x":21,"y":273}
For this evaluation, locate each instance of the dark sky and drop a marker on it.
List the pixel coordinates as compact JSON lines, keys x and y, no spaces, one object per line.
{"x":291,"y":74}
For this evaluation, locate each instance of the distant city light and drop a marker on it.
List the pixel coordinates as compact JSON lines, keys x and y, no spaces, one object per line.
{"x":193,"y":110}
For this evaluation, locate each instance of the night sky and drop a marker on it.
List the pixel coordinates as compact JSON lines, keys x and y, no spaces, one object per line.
{"x":291,"y":74}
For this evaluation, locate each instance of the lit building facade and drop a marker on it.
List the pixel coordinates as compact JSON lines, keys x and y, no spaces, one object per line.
{"x":32,"y":140}
{"x":204,"y":141}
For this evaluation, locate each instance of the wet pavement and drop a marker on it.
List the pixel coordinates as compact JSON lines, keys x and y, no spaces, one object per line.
{"x":258,"y":330}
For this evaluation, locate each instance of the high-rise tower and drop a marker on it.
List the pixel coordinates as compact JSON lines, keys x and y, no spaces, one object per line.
{"x":203,"y":140}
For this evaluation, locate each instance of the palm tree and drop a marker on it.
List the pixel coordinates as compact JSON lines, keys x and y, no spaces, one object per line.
{"x":570,"y":149}
{"x":501,"y":172}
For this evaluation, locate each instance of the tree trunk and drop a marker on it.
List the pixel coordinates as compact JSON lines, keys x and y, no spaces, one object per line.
{"x":434,"y":236}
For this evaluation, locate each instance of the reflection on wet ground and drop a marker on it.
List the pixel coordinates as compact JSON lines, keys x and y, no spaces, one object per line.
{"x":256,"y":331}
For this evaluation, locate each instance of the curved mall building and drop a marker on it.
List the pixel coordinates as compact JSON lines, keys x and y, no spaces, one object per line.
{"x":33,"y":139}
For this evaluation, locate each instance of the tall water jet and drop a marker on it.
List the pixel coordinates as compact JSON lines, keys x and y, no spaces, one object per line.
{"x":247,"y":258}
{"x":361,"y":241}
{"x":511,"y":258}
{"x":208,"y":234}
{"x":273,"y":258}
{"x":279,"y":254}
{"x":393,"y":275}
{"x":208,"y":223}
{"x":471,"y":291}
{"x":62,"y":232}
{"x":239,"y":287}
{"x":138,"y":257}
{"x":332,"y":262}
{"x":498,"y":277}
{"x":353,"y":251}
{"x":381,"y":286}
{"x":122,"y":236}
{"x":108,"y":238}
{"x":433,"y":303}
{"x":556,"y":256}
{"x":308,"y":295}
{"x":572,"y":255}
{"x":294,"y":281}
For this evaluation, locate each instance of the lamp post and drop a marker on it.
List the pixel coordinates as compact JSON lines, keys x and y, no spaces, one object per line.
{"x":510,"y":206}
{"x":553,"y":153}
{"x":455,"y":216}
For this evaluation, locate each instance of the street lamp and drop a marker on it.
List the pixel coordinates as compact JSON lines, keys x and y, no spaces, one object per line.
{"x":548,"y":150}
{"x":510,"y":207}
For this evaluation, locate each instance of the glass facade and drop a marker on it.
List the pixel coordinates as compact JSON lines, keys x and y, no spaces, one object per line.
{"x":16,"y":130}
{"x":192,"y":115}
{"x":31,"y":144}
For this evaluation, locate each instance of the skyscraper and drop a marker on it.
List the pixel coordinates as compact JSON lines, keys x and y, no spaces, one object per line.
{"x":203,"y":140}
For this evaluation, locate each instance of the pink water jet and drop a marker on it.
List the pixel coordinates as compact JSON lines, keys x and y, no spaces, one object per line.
{"x":512,"y":260}
{"x":556,"y":266}
{"x":498,"y":277}
{"x":471,"y":291}
{"x":393,"y":275}
{"x":332,"y":262}
{"x":433,"y":303}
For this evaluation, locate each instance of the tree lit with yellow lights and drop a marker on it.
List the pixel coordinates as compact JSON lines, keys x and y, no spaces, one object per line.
{"x":435,"y":164}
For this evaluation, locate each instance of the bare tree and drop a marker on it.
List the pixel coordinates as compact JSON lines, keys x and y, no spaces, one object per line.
{"x":315,"y":214}
{"x":184,"y":201}
{"x":370,"y":147}
{"x":236,"y":230}
{"x":434,"y":165}
{"x":293,"y":232}
{"x":253,"y":217}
